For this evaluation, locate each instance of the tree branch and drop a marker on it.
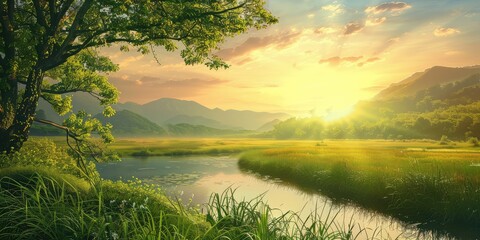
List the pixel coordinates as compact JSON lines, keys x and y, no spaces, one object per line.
{"x":80,"y":160}
{"x":39,"y":14}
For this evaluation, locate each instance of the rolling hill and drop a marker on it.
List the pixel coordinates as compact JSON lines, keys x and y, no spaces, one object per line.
{"x":168,"y":110}
{"x":427,"y":79}
{"x":128,"y":123}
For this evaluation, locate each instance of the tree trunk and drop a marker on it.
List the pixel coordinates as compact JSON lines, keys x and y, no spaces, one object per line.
{"x":8,"y":105}
{"x":15,"y":123}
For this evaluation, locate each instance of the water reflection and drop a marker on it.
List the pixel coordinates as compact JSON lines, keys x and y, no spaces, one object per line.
{"x":194,"y":178}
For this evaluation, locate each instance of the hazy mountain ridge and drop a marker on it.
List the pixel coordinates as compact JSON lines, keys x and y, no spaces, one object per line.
{"x":169,"y":111}
{"x":163,"y":110}
{"x":422,"y":80}
{"x":438,"y":105}
{"x":129,"y":123}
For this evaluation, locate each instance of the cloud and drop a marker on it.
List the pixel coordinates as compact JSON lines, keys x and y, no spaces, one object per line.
{"x":279,"y":41}
{"x":146,"y":88}
{"x":386,"y":46}
{"x":353,"y":28}
{"x":334,"y":9}
{"x":181,"y":84}
{"x":443,"y":32}
{"x":311,"y":15}
{"x":324,"y":30}
{"x":335,"y":61}
{"x":375,"y":21}
{"x":388,"y":7}
{"x":368,"y":61}
{"x":244,"y":61}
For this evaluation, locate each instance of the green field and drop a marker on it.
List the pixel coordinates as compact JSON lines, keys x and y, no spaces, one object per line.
{"x":435,"y":185}
{"x":422,"y":182}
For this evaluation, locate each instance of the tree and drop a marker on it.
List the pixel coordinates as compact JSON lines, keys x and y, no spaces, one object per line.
{"x":49,"y":48}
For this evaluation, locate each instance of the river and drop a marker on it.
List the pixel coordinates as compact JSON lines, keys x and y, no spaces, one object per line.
{"x":194,"y":178}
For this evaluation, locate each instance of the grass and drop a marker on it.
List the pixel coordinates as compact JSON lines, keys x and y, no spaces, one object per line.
{"x":36,"y":203}
{"x":418,"y":182}
{"x":41,"y":204}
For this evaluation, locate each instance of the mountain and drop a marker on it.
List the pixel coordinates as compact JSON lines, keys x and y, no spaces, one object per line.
{"x":427,"y":79}
{"x":128,"y":123}
{"x":188,"y":130}
{"x":196,"y":120}
{"x":167,"y":110}
{"x":80,"y":101}
{"x":268,"y":126}
{"x":439,"y":103}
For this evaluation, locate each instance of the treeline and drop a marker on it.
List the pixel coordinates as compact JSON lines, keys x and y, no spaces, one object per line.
{"x":459,"y":122}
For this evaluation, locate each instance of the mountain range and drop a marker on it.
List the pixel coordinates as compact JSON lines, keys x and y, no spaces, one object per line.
{"x":166,"y":111}
{"x":435,"y":88}
{"x":169,"y":116}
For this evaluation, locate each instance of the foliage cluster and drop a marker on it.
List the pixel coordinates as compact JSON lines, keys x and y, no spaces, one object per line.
{"x":458,"y":122}
{"x":43,"y":152}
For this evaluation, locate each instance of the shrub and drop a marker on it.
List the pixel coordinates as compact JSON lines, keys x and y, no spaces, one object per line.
{"x":444,"y":140}
{"x":473,"y":141}
{"x":43,"y":152}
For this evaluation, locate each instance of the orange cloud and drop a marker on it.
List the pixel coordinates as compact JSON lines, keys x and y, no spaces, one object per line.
{"x":324,"y":30}
{"x":388,"y":7}
{"x":146,"y":88}
{"x":443,"y":32}
{"x":335,"y":61}
{"x":353,"y":28}
{"x":280,"y":41}
{"x":370,"y":60}
{"x":375,"y":21}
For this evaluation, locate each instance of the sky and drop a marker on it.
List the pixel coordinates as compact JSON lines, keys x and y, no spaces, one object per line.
{"x":321,"y":58}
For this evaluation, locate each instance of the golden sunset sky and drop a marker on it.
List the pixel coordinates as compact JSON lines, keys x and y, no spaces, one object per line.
{"x":322,"y":55}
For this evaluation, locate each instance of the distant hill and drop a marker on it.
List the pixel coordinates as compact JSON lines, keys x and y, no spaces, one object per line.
{"x":168,"y":110}
{"x":439,"y":103}
{"x":427,"y":79}
{"x":128,"y":123}
{"x":188,"y":130}
{"x":196,"y":120}
{"x":441,"y":95}
{"x":268,"y":126}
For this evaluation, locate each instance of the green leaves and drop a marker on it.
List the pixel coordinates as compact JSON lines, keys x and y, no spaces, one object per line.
{"x":52,"y":44}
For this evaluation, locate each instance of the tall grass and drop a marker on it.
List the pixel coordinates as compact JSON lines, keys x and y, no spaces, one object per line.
{"x":255,"y":219}
{"x":42,"y":205}
{"x":437,"y":190}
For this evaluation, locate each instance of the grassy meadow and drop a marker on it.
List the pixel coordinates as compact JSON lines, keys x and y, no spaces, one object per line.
{"x":437,"y":186}
{"x":432,"y":184}
{"x":44,"y":196}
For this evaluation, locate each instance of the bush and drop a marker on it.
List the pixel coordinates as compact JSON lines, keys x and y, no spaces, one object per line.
{"x":43,"y":152}
{"x":444,"y":140}
{"x":473,"y":141}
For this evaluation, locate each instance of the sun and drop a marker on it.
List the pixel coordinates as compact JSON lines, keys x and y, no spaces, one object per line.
{"x":334,"y":114}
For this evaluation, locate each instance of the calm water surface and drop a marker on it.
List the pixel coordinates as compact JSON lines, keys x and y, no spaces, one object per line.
{"x":195,"y":178}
